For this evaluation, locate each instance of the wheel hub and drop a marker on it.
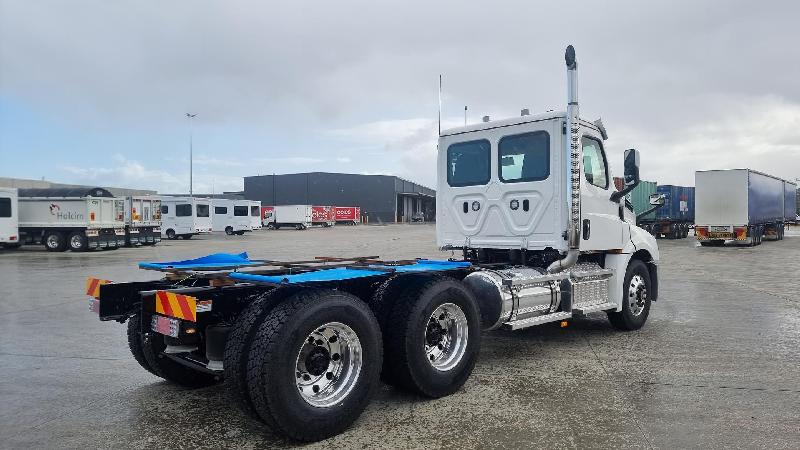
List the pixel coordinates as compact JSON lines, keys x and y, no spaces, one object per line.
{"x":318,"y":361}
{"x":637,"y":295}
{"x":446,"y":336}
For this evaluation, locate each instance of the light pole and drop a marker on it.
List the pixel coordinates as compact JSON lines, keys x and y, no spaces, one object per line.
{"x":190,"y":117}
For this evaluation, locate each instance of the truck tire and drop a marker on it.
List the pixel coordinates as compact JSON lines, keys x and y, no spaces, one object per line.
{"x":434,"y":338}
{"x":171,"y":234}
{"x":78,"y":242}
{"x":635,"y":298}
{"x":54,"y":241}
{"x":385,"y":296}
{"x":152,"y":347}
{"x":135,"y":342}
{"x":229,"y":230}
{"x":237,"y":346}
{"x":314,"y":364}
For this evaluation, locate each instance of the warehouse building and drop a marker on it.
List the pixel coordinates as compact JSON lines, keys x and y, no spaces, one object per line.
{"x":382,"y":198}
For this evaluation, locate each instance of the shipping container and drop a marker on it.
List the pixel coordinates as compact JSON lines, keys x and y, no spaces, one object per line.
{"x":77,"y":219}
{"x":640,"y":199}
{"x":323,"y":215}
{"x":349,"y":215}
{"x":9,"y":218}
{"x":740,"y":204}
{"x":678,"y":203}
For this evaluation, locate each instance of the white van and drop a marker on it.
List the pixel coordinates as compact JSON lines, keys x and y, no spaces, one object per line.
{"x":9,"y":218}
{"x":185,"y":217}
{"x":255,"y":215}
{"x":230,"y":216}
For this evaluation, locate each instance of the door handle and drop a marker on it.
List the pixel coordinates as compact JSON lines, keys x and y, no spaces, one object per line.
{"x":587,"y":229}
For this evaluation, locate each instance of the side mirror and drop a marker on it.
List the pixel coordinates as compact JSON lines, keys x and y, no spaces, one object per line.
{"x":657,"y":199}
{"x":631,"y":167}
{"x":631,"y":174}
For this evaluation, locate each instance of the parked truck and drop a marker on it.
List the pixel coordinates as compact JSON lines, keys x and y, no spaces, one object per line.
{"x":185,"y":217}
{"x":142,"y":220}
{"x":741,"y":205}
{"x":230,"y":216}
{"x":542,"y":236}
{"x":9,"y":218}
{"x":77,"y":219}
{"x":298,"y":217}
{"x":675,"y":218}
{"x":347,"y":215}
{"x":323,"y":216}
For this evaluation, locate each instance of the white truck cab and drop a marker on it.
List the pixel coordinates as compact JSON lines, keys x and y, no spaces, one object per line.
{"x":535,"y":194}
{"x":185,"y":217}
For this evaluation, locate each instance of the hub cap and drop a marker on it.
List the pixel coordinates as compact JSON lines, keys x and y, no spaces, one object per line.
{"x":52,"y":241}
{"x":446,"y":337}
{"x":637,"y":295}
{"x":76,"y":242}
{"x":328,"y":364}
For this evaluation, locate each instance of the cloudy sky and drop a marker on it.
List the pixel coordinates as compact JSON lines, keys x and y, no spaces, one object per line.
{"x":95,"y":92}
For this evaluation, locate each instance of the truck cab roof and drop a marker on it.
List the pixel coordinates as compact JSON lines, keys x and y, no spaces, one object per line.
{"x":513,"y":121}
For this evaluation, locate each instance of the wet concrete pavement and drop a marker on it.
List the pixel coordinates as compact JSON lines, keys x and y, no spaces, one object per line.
{"x":717,"y":365}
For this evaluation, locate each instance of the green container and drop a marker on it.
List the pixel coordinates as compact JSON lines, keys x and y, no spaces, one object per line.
{"x":640,"y":198}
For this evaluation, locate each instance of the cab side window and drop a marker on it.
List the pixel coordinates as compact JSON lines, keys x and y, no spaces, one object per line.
{"x":595,"y":168}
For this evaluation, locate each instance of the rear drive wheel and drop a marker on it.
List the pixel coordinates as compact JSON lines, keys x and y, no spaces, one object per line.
{"x":433,"y":341}
{"x":153,"y":346}
{"x":314,"y":364}
{"x":78,"y":242}
{"x":135,"y":342}
{"x":237,"y":346}
{"x":635,"y":298}
{"x":54,"y":241}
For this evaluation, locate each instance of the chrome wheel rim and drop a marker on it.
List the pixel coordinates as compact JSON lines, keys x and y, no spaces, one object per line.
{"x":76,"y":242}
{"x":328,"y":364}
{"x":52,"y":241}
{"x":446,"y":336}
{"x":637,"y":295}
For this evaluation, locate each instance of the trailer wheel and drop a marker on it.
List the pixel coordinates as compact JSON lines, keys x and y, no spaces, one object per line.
{"x":152,"y":347}
{"x":54,"y":241}
{"x":237,"y":346}
{"x":135,"y":342}
{"x":171,"y":234}
{"x":314,"y":364}
{"x":433,"y":342}
{"x":635,"y":298}
{"x":78,"y":242}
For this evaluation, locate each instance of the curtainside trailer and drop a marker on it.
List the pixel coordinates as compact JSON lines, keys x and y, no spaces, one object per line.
{"x":742,"y":205}
{"x":9,"y":218}
{"x":77,"y":219}
{"x":529,"y":205}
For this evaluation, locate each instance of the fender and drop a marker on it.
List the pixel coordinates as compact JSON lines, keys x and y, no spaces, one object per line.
{"x":642,"y":245}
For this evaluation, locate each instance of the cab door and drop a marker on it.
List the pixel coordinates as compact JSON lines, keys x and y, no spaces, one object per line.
{"x":600,"y":227}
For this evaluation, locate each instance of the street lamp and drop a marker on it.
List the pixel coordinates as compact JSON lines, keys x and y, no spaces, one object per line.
{"x":190,"y":117}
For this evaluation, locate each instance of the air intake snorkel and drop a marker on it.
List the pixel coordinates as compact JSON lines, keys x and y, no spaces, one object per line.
{"x":572,"y":152}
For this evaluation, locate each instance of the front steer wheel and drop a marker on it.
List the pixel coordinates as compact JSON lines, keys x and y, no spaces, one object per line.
{"x":314,"y":364}
{"x":636,"y":292}
{"x":433,"y":338}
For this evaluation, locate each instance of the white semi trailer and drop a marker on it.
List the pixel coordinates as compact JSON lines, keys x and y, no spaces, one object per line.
{"x":77,"y":219}
{"x":9,"y":218}
{"x":230,"y":216}
{"x":142,"y":220}
{"x":301,"y":345}
{"x":185,"y":217}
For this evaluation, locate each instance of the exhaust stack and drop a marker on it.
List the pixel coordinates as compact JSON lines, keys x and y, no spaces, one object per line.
{"x":573,"y":152}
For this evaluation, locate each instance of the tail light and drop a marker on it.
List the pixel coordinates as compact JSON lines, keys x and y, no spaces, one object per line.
{"x":12,"y":238}
{"x":701,"y":232}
